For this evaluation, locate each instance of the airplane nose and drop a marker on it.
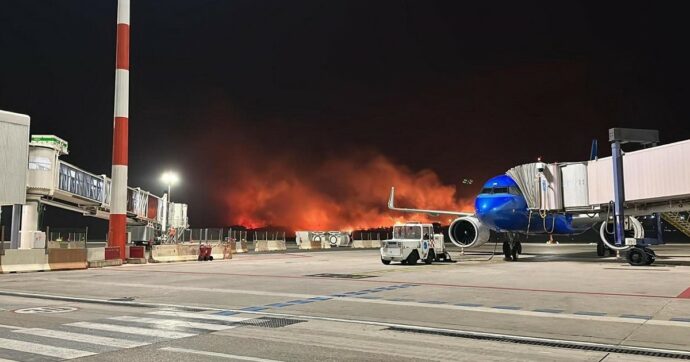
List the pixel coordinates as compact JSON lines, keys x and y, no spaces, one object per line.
{"x":485,"y":206}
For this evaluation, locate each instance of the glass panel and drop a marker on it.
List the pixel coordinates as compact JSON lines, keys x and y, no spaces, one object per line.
{"x":407,"y":232}
{"x":80,"y":183}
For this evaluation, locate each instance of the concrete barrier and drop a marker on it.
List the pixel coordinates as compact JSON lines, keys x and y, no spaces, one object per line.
{"x":163,"y":253}
{"x":96,"y":257}
{"x":171,"y":253}
{"x":112,"y":256}
{"x":67,"y":259}
{"x":366,"y":244}
{"x":24,"y":260}
{"x":314,"y":245}
{"x":227,"y":250}
{"x":136,"y":255}
{"x":269,"y":245}
{"x":220,"y":251}
{"x":238,"y":246}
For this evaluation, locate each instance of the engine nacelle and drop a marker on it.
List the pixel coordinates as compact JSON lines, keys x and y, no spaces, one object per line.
{"x":468,"y":232}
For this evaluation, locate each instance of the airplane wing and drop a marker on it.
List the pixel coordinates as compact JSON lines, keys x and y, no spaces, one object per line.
{"x":391,"y":205}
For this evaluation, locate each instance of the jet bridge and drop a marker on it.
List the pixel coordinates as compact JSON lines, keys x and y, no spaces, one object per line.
{"x":52,"y":181}
{"x":657,"y":179}
{"x":616,"y":189}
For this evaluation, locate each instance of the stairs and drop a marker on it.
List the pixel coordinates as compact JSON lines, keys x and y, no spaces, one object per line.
{"x":678,"y":220}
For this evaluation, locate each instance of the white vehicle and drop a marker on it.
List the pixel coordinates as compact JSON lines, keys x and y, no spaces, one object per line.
{"x":414,"y":241}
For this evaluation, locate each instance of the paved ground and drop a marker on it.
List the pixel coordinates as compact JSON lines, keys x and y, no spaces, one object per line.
{"x":556,"y":303}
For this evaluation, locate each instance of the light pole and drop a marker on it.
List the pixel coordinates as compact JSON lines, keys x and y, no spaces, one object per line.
{"x":170,"y":178}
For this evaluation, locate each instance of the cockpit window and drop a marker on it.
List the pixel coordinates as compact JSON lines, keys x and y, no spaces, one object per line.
{"x":513,"y":190}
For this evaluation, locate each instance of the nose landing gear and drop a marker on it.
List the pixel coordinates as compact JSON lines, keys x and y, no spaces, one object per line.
{"x":512,"y":247}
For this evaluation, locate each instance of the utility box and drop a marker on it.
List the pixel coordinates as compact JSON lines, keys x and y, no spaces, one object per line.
{"x":14,"y":157}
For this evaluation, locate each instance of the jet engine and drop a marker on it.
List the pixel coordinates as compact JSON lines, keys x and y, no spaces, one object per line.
{"x":468,"y":232}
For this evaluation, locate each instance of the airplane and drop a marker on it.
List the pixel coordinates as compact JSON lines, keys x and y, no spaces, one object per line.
{"x":500,"y":206}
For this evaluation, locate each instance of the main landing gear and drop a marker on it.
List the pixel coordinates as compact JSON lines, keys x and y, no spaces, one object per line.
{"x":512,"y":248}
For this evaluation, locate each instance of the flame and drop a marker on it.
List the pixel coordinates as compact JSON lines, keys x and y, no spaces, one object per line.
{"x":278,"y":179}
{"x":334,"y":194}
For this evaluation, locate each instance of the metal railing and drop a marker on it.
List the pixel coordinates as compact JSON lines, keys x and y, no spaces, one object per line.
{"x":269,"y":236}
{"x":66,"y":237}
{"x":202,"y":235}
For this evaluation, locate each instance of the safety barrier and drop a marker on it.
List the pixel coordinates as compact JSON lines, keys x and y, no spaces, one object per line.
{"x":66,"y":259}
{"x":314,"y":244}
{"x":238,"y":246}
{"x":112,"y":256}
{"x":220,"y":251}
{"x":95,"y":257}
{"x":366,"y":244}
{"x":269,"y":245}
{"x":170,"y":253}
{"x":24,"y":260}
{"x":136,"y":255}
{"x":227,"y":250}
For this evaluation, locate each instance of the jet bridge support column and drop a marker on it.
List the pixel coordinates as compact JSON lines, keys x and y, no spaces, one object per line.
{"x":618,"y":193}
{"x":617,"y":137}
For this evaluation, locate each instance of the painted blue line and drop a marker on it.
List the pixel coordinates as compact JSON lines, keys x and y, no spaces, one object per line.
{"x":433,"y":302}
{"x":368,"y":297}
{"x":399,"y":300}
{"x":681,"y":319}
{"x":253,"y":309}
{"x":549,"y":310}
{"x":339,"y":295}
{"x":468,"y":305}
{"x":597,"y":314}
{"x":319,"y":298}
{"x":279,"y":305}
{"x":634,"y":316}
{"x":509,"y":307}
{"x":301,"y":301}
{"x":225,"y":312}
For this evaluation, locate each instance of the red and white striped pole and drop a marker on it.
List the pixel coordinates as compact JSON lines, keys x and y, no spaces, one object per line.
{"x":117,"y":231}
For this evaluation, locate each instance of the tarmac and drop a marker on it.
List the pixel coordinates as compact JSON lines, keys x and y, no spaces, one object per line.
{"x":558,"y":302}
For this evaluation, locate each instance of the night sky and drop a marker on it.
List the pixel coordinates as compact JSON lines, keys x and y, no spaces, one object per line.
{"x":271,"y":102}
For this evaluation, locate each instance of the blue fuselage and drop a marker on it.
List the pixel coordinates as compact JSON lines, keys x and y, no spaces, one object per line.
{"x":501,"y":206}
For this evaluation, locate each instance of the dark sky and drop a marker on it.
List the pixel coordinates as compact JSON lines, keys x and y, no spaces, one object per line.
{"x":463,"y":89}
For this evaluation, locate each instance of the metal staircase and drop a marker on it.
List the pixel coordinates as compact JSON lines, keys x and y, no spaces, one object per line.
{"x":678,"y":220}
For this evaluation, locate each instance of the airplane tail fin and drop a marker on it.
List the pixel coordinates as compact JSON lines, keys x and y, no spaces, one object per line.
{"x":594,"y":151}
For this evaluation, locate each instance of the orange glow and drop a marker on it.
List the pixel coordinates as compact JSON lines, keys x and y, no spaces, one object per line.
{"x":336,"y":194}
